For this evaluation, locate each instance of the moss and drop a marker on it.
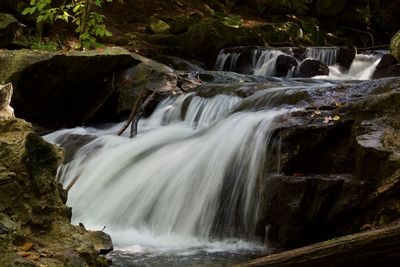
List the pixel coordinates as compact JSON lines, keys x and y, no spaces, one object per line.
{"x":395,"y":46}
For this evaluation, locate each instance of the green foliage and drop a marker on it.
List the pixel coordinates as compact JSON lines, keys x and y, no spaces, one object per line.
{"x":36,"y":44}
{"x":89,"y":24}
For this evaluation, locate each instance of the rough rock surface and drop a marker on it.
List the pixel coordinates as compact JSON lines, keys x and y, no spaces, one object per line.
{"x":6,"y":111}
{"x":35,"y":227}
{"x":312,"y":67}
{"x":339,"y":161}
{"x":13,"y":34}
{"x":387,"y":67}
{"x":395,"y":46}
{"x":56,"y":89}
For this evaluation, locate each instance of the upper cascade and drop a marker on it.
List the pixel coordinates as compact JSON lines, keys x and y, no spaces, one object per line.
{"x":291,"y":62}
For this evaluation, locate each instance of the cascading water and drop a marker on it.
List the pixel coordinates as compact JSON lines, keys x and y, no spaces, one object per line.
{"x":327,"y":55}
{"x":162,"y":190}
{"x":226,"y":61}
{"x":263,"y":62}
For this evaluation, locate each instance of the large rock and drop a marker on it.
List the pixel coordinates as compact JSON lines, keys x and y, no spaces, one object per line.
{"x":395,"y":46}
{"x":35,"y":227}
{"x":312,"y":67}
{"x":13,"y":34}
{"x":338,"y":159}
{"x":148,"y":75}
{"x":56,"y":89}
{"x":387,"y":67}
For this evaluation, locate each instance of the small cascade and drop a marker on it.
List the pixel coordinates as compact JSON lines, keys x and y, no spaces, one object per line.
{"x":226,"y":61}
{"x":363,"y":66}
{"x":264,"y":62}
{"x":327,"y":55}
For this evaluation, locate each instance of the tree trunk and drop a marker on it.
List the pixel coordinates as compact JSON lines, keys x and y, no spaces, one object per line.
{"x":373,"y":248}
{"x":85,"y":20}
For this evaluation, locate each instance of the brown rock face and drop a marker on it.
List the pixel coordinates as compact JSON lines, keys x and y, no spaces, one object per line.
{"x":35,"y":227}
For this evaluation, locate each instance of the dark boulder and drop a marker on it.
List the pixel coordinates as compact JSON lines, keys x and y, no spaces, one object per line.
{"x":387,"y":67}
{"x":55,"y":89}
{"x":346,"y":56}
{"x":284,"y":64}
{"x":311,"y":67}
{"x":13,"y":34}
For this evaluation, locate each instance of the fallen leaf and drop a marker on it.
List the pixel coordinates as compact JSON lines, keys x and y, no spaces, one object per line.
{"x":338,"y":104}
{"x":336,"y":118}
{"x":27,"y":246}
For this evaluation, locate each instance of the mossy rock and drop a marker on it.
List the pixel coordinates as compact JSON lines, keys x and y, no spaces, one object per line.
{"x":156,"y":25}
{"x":395,"y":46}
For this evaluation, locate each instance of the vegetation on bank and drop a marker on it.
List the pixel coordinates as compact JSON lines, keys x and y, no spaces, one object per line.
{"x":88,"y":24}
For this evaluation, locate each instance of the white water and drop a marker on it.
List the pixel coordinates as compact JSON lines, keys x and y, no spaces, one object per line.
{"x":161,"y":191}
{"x":226,"y":61}
{"x":327,"y":55}
{"x":263,"y":63}
{"x":362,"y":68}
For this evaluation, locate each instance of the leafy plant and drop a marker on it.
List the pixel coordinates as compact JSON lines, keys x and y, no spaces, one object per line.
{"x":89,"y":24}
{"x":36,"y":44}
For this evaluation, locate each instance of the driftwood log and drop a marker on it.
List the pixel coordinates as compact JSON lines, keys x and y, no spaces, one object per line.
{"x":379,"y":247}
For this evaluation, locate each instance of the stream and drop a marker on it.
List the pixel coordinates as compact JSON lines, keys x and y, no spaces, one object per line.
{"x":186,"y":191}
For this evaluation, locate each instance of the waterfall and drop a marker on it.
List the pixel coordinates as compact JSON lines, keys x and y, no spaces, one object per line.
{"x":264,"y":62}
{"x":168,"y":183}
{"x":362,"y":68}
{"x":327,"y":55}
{"x":226,"y":61}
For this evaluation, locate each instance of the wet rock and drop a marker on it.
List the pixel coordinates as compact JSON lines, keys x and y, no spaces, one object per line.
{"x":395,"y":46}
{"x":387,"y":67}
{"x":346,"y":56}
{"x":47,"y":83}
{"x":177,"y":63}
{"x":101,"y":242}
{"x":311,"y":67}
{"x":340,"y":174}
{"x":150,"y":76}
{"x":284,"y":64}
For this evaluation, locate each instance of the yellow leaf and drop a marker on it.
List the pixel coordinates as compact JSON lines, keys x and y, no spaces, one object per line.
{"x":336,"y":118}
